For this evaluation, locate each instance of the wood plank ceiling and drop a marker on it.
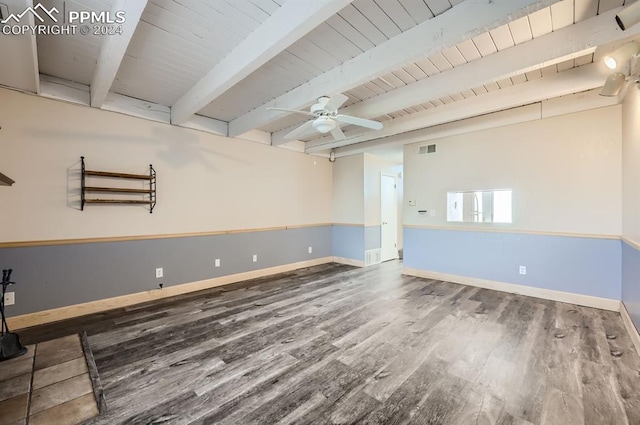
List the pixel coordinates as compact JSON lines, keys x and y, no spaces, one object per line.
{"x":220,"y":63}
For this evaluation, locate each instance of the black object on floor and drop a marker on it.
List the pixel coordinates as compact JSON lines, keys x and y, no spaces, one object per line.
{"x":10,"y":346}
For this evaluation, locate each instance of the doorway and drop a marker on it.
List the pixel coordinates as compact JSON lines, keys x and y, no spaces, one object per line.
{"x":388,"y":217}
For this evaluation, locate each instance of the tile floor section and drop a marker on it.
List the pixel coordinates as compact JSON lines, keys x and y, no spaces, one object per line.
{"x":50,"y":384}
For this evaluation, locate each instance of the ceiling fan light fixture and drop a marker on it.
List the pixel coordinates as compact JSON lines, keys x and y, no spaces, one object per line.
{"x":324,"y":124}
{"x":326,"y":119}
{"x":613,"y":85}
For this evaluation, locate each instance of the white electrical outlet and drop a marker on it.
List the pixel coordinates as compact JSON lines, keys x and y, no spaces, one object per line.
{"x":217,"y":263}
{"x":310,"y":250}
{"x":255,"y":258}
{"x":10,"y":298}
{"x":523,"y":269}
{"x":159,"y":273}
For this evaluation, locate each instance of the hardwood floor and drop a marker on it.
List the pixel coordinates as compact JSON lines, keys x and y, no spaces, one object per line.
{"x":334,"y":344}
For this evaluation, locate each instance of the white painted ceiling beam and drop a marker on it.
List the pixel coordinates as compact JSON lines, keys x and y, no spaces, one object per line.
{"x":202,"y":123}
{"x":64,"y":90}
{"x":468,"y":125}
{"x":557,"y":106}
{"x":136,"y":108}
{"x":556,"y":47}
{"x":113,"y":50}
{"x":292,"y":21}
{"x":465,"y":20}
{"x":72,"y":92}
{"x":571,"y":81}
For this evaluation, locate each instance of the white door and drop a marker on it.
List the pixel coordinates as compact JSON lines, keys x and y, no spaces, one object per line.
{"x":389,"y":217}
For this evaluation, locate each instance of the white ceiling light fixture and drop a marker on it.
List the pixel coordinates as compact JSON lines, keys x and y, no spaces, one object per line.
{"x":610,"y":62}
{"x":628,"y":16}
{"x":324,"y":124}
{"x":621,"y":55}
{"x":613,"y":85}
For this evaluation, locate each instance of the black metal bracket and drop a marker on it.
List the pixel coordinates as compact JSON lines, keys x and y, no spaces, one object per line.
{"x":152,"y":187}
{"x":82,"y":185}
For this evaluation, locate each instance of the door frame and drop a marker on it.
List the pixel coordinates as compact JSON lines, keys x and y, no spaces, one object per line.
{"x":395,"y":223}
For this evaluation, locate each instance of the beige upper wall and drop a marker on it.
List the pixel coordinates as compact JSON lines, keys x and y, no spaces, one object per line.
{"x":631,"y":165}
{"x":205,"y":182}
{"x":348,"y":189}
{"x":565,"y":173}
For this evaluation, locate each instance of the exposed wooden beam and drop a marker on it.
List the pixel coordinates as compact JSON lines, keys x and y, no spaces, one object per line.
{"x":465,"y":20}
{"x":534,"y":111}
{"x":517,"y":115}
{"x":136,"y":108}
{"x":69,"y":91}
{"x":65,"y":90}
{"x":113,"y":50}
{"x":289,"y":23}
{"x":202,"y":123}
{"x":571,"y":81}
{"x":558,"y":46}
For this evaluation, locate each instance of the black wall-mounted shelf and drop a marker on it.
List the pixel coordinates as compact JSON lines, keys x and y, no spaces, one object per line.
{"x":150,"y":192}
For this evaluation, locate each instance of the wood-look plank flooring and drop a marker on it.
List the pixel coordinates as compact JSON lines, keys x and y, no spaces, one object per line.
{"x":334,"y":344}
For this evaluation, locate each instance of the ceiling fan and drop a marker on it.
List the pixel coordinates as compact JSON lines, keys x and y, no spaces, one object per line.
{"x":327,"y":119}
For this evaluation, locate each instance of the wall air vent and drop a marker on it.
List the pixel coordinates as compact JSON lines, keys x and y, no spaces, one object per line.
{"x":423,"y":150}
{"x":372,"y":256}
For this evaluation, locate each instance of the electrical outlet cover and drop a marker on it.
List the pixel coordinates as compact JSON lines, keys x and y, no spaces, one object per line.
{"x":9,"y":298}
{"x":159,"y":273}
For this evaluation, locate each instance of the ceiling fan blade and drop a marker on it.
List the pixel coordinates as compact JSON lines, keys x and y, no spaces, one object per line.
{"x":291,"y":110}
{"x":362,"y":122}
{"x":335,"y":102}
{"x":337,"y":133}
{"x":298,"y":131}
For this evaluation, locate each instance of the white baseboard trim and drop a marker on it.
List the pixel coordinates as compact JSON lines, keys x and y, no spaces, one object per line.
{"x":547,"y":294}
{"x":68,"y":312}
{"x":631,"y":328}
{"x":348,"y":261}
